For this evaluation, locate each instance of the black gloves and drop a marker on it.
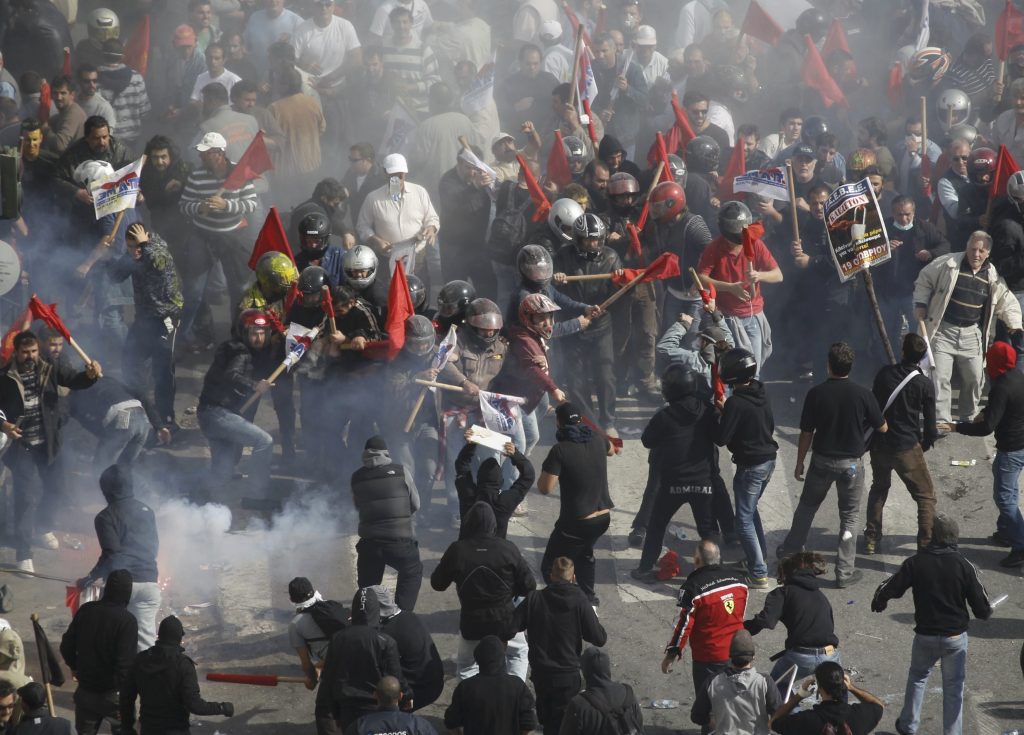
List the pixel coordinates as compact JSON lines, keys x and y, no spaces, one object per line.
{"x":227,"y":709}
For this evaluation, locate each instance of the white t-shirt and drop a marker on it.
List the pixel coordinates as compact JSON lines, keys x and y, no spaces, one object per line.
{"x":227,"y":78}
{"x":324,"y":47}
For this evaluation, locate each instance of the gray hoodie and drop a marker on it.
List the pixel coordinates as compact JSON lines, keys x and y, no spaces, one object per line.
{"x":738,"y":701}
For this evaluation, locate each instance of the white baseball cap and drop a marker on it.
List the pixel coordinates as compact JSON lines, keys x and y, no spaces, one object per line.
{"x":645,"y":36}
{"x":211,"y":141}
{"x":550,"y":29}
{"x":395,"y":163}
{"x":500,"y":137}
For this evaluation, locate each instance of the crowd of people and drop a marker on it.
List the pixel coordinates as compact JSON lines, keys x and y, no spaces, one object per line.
{"x":510,"y":165}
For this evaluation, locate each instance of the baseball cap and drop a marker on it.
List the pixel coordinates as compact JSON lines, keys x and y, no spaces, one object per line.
{"x":804,"y":151}
{"x":645,"y":36}
{"x":211,"y":141}
{"x":300,"y":589}
{"x":395,"y":163}
{"x":500,"y":137}
{"x":568,"y":414}
{"x":550,"y":29}
{"x":184,"y":35}
{"x":742,"y":647}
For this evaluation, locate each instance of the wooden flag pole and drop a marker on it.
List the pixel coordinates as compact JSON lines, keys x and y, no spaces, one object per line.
{"x":590,"y":277}
{"x":85,"y":358}
{"x":869,"y":285}
{"x":1000,"y":79}
{"x":575,"y":81}
{"x":622,"y":292}
{"x":924,"y":128}
{"x":441,"y":386}
{"x":792,"y":199}
{"x":696,"y":279}
{"x":270,"y":379}
{"x":330,"y":317}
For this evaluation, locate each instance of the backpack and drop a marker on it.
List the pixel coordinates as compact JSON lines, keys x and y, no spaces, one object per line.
{"x":617,"y":721}
{"x":329,"y":616}
{"x":509,"y":228}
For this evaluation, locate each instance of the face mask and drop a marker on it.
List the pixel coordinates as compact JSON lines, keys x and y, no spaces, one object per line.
{"x":903,"y":228}
{"x":395,"y":188}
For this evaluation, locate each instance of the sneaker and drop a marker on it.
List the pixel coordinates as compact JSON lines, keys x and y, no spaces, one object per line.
{"x":521,"y":510}
{"x":25,"y":565}
{"x":781,"y":552}
{"x":758,"y":583}
{"x":870,"y":546}
{"x":636,"y":537}
{"x":998,"y":539}
{"x":900,"y":729}
{"x":49,"y":540}
{"x":855,"y":576}
{"x":647,"y":576}
{"x":631,"y":432}
{"x":1014,"y":559}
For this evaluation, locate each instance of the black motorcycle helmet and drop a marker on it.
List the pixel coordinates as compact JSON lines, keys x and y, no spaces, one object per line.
{"x":703,"y":154}
{"x":737,"y":366}
{"x":311,"y":283}
{"x":814,"y":126}
{"x":417,"y":291}
{"x":314,"y":233}
{"x":454,"y":298}
{"x":812,"y":22}
{"x":678,"y":382}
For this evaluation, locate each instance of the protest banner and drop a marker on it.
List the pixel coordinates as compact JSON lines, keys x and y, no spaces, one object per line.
{"x":768,"y":182}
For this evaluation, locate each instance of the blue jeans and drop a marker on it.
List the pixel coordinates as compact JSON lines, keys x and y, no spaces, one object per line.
{"x":122,"y":445}
{"x":748,"y":486}
{"x":227,"y":433}
{"x":752,"y":327}
{"x":805,"y":662}
{"x":926,"y":651}
{"x":1005,"y":491}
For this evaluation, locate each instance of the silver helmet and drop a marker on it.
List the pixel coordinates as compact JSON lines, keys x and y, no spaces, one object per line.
{"x":103,"y":24}
{"x":534,"y":264}
{"x":360,"y":266}
{"x":561,"y":217}
{"x":954,"y":108}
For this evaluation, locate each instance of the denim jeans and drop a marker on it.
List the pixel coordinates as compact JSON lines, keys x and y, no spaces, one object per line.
{"x":926,"y":651}
{"x":805,"y":662}
{"x":752,"y":327}
{"x":848,"y":475}
{"x":1006,"y":475}
{"x":122,"y":446}
{"x":227,"y":432}
{"x":516,"y":658}
{"x":748,"y":486}
{"x":144,"y":605}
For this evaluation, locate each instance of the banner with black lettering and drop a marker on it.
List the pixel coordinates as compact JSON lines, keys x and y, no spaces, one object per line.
{"x":856,"y":229}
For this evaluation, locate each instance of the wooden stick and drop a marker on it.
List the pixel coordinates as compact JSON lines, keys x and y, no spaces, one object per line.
{"x":621,"y":292}
{"x":792,"y":198}
{"x":415,"y":410}
{"x":577,"y":50}
{"x":81,"y":353}
{"x":330,"y":317}
{"x":44,"y":669}
{"x":464,"y":143}
{"x":696,"y":279}
{"x":270,"y":379}
{"x":655,"y":181}
{"x":590,"y":277}
{"x":924,"y":128}
{"x":869,"y":285}
{"x":1001,"y":79}
{"x":441,"y":386}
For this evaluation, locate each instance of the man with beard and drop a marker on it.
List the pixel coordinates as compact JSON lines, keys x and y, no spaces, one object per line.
{"x":162,"y":181}
{"x":465,"y":208}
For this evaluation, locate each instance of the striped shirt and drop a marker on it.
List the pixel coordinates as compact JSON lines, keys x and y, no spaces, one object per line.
{"x":416,"y":65}
{"x":970,"y":294}
{"x":972,"y":80}
{"x":201,"y":185}
{"x":130,"y":104}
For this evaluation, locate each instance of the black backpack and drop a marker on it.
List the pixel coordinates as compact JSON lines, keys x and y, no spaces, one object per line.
{"x":618,"y":721}
{"x":329,"y":616}
{"x":509,"y":228}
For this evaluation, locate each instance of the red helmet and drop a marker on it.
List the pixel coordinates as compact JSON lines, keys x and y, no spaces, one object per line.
{"x":981,"y":163}
{"x":253,"y":318}
{"x":667,"y":200}
{"x":536,"y":304}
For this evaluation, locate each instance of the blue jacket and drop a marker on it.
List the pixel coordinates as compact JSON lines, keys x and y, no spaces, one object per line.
{"x":126,"y":530}
{"x":331,"y":262}
{"x":387,"y":721}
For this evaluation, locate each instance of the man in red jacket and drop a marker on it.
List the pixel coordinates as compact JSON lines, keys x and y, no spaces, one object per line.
{"x":711,"y":603}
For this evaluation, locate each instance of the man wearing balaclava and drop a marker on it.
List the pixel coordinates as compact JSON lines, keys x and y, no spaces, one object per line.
{"x":489,"y":483}
{"x":585,"y":713}
{"x":164,"y":679}
{"x":99,"y":648}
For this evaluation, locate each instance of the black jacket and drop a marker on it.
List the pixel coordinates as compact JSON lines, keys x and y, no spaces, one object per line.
{"x":1008,"y":245}
{"x":99,"y":645}
{"x":390,"y":720}
{"x":91,"y":406}
{"x":49,"y":376}
{"x":39,"y":722}
{"x":492,"y":702}
{"x":570,"y":262}
{"x":65,"y":187}
{"x":944,"y":584}
{"x":421,"y":663}
{"x":901,"y":272}
{"x":465,"y":210}
{"x":904,"y":416}
{"x":233,"y":374}
{"x":126,"y":530}
{"x":862,"y":718}
{"x":557,"y":620}
{"x":357,"y":658}
{"x":682,"y":435}
{"x":384,"y":496}
{"x":488,"y":573}
{"x":803,"y":609}
{"x":487,"y":486}
{"x":1004,"y":414}
{"x":582,"y":717}
{"x":164,"y":680}
{"x":747,"y":425}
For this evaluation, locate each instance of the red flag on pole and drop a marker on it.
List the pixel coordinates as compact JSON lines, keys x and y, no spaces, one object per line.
{"x":634,"y":235}
{"x":835,"y":40}
{"x":66,"y":69}
{"x":717,"y":384}
{"x":686,"y":133}
{"x":663,"y":267}
{"x":659,"y":154}
{"x":327,"y":303}
{"x":1009,"y":30}
{"x":591,"y":130}
{"x":708,"y":294}
{"x":540,"y":199}
{"x":272,"y":238}
{"x":1005,"y":167}
{"x":400,"y":308}
{"x":20,"y":324}
{"x":673,"y":140}
{"x":574,"y":21}
{"x":136,"y":48}
{"x":816,"y":76}
{"x":751,"y":234}
{"x":254,"y":162}
{"x":558,"y":163}
{"x":292,"y":296}
{"x":45,"y":98}
{"x":895,"y":88}
{"x":47,"y":313}
{"x":760,"y":25}
{"x":737,"y":167}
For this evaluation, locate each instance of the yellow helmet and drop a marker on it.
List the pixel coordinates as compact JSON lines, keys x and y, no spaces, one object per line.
{"x":275,"y":272}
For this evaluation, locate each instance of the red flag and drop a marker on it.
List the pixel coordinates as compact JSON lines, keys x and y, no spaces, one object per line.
{"x":20,"y":324}
{"x":615,"y":441}
{"x":760,"y":25}
{"x":686,"y":133}
{"x":895,"y":89}
{"x":591,"y":130}
{"x":661,"y":268}
{"x":1005,"y":167}
{"x":751,"y":234}
{"x":66,"y":69}
{"x":1009,"y":30}
{"x":558,"y":163}
{"x":400,"y":308}
{"x":136,"y":48}
{"x":634,"y":236}
{"x":275,"y":322}
{"x":272,"y":238}
{"x":574,"y":21}
{"x":737,"y":167}
{"x":291,"y":297}
{"x":254,"y":162}
{"x":716,"y":383}
{"x":327,"y":303}
{"x":673,"y":141}
{"x":816,"y":76}
{"x":708,"y":294}
{"x":72,"y":598}
{"x":926,"y":169}
{"x":659,"y":154}
{"x":540,"y":199}
{"x":835,"y":40}
{"x":45,"y":98}
{"x":47,"y":313}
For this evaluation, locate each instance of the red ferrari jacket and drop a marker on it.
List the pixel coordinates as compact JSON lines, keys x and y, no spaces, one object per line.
{"x":712,"y":602}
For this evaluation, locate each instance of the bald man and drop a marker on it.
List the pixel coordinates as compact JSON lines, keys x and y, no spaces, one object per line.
{"x":388,"y":718}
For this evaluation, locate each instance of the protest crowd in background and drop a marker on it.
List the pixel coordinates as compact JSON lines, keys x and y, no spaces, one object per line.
{"x":443,"y":242}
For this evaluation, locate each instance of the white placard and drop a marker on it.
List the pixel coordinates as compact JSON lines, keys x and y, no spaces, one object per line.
{"x":487,"y":438}
{"x":10,"y":267}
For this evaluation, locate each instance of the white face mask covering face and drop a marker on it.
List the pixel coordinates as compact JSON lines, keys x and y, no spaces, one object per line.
{"x":904,"y":228}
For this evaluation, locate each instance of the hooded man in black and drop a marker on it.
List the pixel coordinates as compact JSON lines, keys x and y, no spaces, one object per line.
{"x":603,"y":698}
{"x":492,"y":702}
{"x":488,"y":573}
{"x":357,"y":658}
{"x":99,"y":648}
{"x":165,"y":681}
{"x":128,"y":538}
{"x":421,"y":663}
{"x":488,"y":485}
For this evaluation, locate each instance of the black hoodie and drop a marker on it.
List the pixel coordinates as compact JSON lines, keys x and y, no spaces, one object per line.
{"x":681,"y":432}
{"x":488,"y":573}
{"x":746,"y":425}
{"x":492,"y":702}
{"x":357,"y":658}
{"x":126,"y":530}
{"x":803,"y":609}
{"x":487,"y":488}
{"x":581,"y":716}
{"x":165,"y":680}
{"x":99,"y":646}
{"x":557,"y":620}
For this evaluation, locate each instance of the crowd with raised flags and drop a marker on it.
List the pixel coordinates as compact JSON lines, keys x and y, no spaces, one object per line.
{"x":448,"y":240}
